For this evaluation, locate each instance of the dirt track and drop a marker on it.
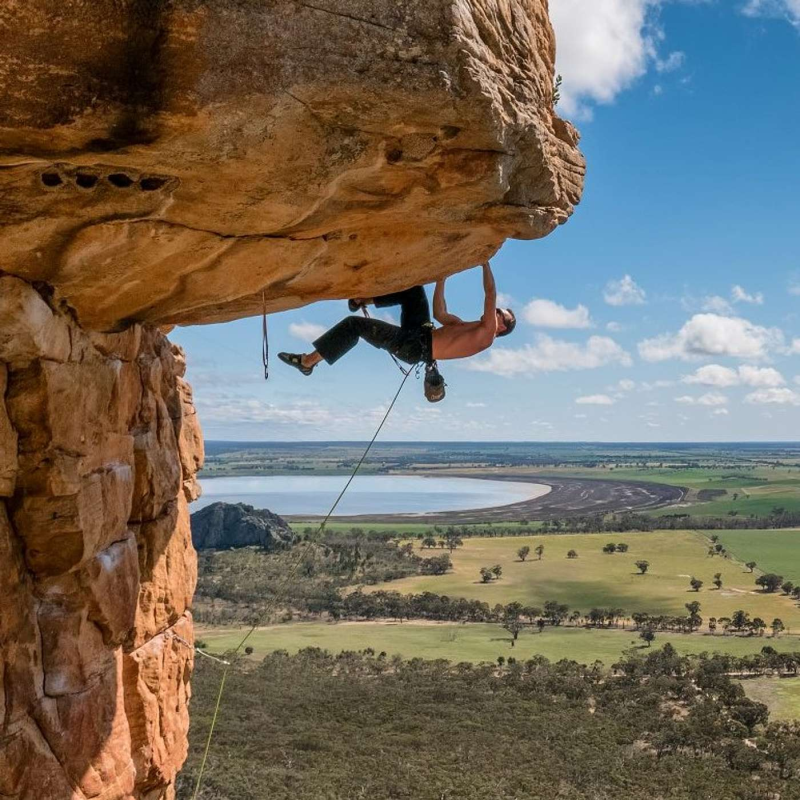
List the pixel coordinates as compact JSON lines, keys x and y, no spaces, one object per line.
{"x":569,"y":497}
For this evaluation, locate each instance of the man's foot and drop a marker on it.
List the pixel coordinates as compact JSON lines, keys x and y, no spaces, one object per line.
{"x":296,"y":360}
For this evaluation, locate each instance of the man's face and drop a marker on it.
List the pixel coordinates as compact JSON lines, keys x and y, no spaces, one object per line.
{"x":502,"y":320}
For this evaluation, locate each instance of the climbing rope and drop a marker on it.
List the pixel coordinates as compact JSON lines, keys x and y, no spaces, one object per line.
{"x":264,"y":338}
{"x":295,"y":565}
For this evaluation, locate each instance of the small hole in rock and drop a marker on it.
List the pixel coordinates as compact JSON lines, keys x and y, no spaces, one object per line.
{"x":85,"y":181}
{"x":51,"y":179}
{"x":152,"y":184}
{"x":393,"y":156}
{"x":120,"y":180}
{"x":450,"y":131}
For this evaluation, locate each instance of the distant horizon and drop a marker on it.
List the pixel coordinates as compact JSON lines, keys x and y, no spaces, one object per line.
{"x":743,"y":442}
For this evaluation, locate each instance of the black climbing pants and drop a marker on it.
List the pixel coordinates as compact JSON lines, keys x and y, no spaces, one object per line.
{"x":410,"y":341}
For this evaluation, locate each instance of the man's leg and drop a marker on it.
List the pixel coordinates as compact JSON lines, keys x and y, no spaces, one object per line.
{"x":414,"y":307}
{"x":340,"y":339}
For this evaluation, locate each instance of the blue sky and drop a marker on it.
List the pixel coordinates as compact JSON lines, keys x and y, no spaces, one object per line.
{"x":667,"y":309}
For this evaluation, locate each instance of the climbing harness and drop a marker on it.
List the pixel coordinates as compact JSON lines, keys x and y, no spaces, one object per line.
{"x":434,"y":385}
{"x":290,"y":574}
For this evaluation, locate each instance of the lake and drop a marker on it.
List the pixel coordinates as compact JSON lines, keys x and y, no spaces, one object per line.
{"x":370,"y":494}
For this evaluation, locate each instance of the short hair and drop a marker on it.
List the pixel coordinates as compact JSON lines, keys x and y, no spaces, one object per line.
{"x":510,"y":320}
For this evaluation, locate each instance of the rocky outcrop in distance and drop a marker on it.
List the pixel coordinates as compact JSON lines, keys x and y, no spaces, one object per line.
{"x":224,"y":526}
{"x":99,"y":445}
{"x":196,"y":161}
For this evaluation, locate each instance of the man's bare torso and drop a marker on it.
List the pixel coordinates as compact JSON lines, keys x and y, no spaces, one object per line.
{"x":460,"y":340}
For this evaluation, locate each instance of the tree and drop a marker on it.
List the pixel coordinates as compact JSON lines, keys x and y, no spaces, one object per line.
{"x":715,"y":538}
{"x":648,"y":634}
{"x":777,"y":626}
{"x":712,"y":624}
{"x":453,"y":542}
{"x":555,"y":612}
{"x":759,"y":626}
{"x":622,"y":547}
{"x":497,"y":570}
{"x":740,"y":620}
{"x":717,"y":580}
{"x":610,"y":548}
{"x":511,"y":620}
{"x":539,"y":551}
{"x":486,"y":575}
{"x":428,"y":541}
{"x":787,"y":587}
{"x":751,"y":565}
{"x":523,"y":552}
{"x":769,"y":582}
{"x":696,"y":584}
{"x":572,"y":554}
{"x":642,"y":566}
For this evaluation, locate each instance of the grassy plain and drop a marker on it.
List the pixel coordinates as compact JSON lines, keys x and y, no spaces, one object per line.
{"x":598,"y":579}
{"x":773,"y":550}
{"x":476,"y":642}
{"x":780,"y":695}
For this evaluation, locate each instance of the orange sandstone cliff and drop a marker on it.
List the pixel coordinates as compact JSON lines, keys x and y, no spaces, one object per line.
{"x":190,"y":161}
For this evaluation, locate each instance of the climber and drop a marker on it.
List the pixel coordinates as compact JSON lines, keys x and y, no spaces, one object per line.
{"x":415,"y":340}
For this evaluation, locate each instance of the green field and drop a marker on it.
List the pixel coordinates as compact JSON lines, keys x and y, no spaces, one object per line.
{"x":757,"y":490}
{"x":475,"y":642}
{"x":598,"y":579}
{"x":773,"y":551}
{"x":780,"y":695}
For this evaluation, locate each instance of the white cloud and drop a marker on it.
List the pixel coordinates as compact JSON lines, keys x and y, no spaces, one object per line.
{"x":219,"y":407}
{"x":307,"y":331}
{"x":720,"y":412}
{"x":547,"y":314}
{"x":614,"y":327}
{"x":580,"y":416}
{"x":712,"y":335}
{"x":476,"y":405}
{"x":624,"y":292}
{"x":774,"y":397}
{"x":603,"y":47}
{"x":653,"y":424}
{"x":723,"y":377}
{"x":627,"y":385}
{"x":708,"y":399}
{"x":651,"y":386}
{"x":760,"y":376}
{"x":672,"y":62}
{"x":739,"y":295}
{"x":794,"y":288}
{"x":786,"y":9}
{"x":552,"y":355}
{"x":794,"y":348}
{"x":713,"y":375}
{"x":595,"y":400}
{"x":717,"y":305}
{"x":504,"y":300}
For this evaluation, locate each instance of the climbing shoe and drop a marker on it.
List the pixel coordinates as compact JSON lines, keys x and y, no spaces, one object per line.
{"x":295,"y":360}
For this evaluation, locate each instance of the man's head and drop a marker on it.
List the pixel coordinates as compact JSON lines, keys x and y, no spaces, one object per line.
{"x":506,"y":321}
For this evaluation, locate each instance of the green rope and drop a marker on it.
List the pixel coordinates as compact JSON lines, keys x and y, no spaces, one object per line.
{"x":291,"y":573}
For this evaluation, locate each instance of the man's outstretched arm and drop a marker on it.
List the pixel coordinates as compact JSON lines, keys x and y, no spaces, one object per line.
{"x":440,"y":312}
{"x":489,"y":318}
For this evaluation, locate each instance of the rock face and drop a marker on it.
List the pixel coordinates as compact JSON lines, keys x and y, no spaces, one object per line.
{"x":192,"y":161}
{"x":97,"y":568}
{"x":223,"y":526}
{"x":196,"y":161}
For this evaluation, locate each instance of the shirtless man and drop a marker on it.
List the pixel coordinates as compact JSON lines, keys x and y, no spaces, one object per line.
{"x":415,"y":340}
